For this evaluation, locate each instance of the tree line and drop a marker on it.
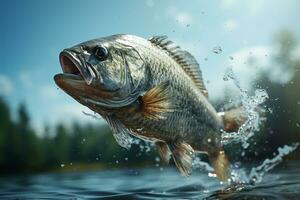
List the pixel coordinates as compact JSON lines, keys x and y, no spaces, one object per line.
{"x":22,"y":150}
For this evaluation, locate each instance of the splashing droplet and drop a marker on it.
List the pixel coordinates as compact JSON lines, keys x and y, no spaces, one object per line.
{"x":62,"y":165}
{"x":217,"y":50}
{"x":157,"y":159}
{"x":258,"y":172}
{"x":250,"y":104}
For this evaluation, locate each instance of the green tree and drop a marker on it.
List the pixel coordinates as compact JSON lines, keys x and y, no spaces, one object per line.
{"x":61,"y":145}
{"x":5,"y":126}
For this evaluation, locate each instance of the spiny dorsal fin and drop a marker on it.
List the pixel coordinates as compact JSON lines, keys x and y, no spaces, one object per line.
{"x":156,"y":102}
{"x":183,"y":58}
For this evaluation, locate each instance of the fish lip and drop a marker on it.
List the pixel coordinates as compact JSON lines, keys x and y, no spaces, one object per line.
{"x":71,"y":63}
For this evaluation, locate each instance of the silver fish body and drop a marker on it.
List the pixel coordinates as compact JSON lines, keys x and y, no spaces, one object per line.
{"x":150,"y":89}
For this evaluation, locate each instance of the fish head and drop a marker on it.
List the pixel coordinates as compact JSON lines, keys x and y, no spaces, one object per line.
{"x":105,"y":72}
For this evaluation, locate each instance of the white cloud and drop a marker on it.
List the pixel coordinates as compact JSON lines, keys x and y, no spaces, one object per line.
{"x":256,"y":7}
{"x":296,"y":54}
{"x":181,"y":17}
{"x":68,"y":113}
{"x":227,"y":4}
{"x":6,"y":85}
{"x":248,"y":64}
{"x":184,"y":18}
{"x":252,"y":6}
{"x":26,"y":80}
{"x":150,"y":3}
{"x":230,"y":25}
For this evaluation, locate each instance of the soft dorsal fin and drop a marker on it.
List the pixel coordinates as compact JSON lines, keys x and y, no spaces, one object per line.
{"x":183,"y":58}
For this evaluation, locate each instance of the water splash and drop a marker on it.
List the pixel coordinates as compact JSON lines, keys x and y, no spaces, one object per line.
{"x":198,"y":164}
{"x":250,"y":104}
{"x":240,"y":176}
{"x":257,"y":173}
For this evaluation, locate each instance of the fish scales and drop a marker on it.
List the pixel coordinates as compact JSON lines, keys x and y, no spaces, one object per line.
{"x":150,"y":89}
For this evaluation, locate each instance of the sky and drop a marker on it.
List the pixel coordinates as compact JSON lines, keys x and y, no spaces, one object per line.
{"x":32,"y":33}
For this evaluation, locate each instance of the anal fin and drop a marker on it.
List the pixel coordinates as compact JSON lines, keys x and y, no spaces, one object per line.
{"x":182,"y":156}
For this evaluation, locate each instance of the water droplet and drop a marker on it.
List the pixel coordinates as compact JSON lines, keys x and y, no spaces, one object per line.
{"x":231,"y":58}
{"x":205,"y":59}
{"x":62,"y":165}
{"x":217,"y":50}
{"x":212,"y":174}
{"x":225,"y":78}
{"x":126,"y":158}
{"x":298,"y":125}
{"x":83,"y":141}
{"x":270,"y":110}
{"x":157,"y":159}
{"x":117,"y":162}
{"x":209,"y":140}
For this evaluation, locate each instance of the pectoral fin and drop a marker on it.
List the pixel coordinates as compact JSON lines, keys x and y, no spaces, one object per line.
{"x":120,"y":132}
{"x":182,"y":156}
{"x":157,"y":102}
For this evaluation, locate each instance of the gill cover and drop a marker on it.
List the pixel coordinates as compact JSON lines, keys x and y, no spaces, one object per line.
{"x":132,"y":75}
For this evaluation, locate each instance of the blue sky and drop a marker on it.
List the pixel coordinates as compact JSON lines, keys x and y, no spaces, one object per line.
{"x":34,"y":32}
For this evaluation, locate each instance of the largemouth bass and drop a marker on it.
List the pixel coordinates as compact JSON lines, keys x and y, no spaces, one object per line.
{"x":150,"y":89}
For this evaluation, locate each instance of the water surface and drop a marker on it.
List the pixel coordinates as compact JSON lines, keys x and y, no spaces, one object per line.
{"x":281,"y":183}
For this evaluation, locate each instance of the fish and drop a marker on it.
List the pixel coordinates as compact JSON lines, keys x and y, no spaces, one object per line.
{"x":153,"y":90}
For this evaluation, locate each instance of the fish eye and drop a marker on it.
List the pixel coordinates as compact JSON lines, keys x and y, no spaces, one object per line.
{"x":101,"y":53}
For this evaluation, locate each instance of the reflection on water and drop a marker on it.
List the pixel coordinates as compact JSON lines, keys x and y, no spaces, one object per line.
{"x":282,"y":183}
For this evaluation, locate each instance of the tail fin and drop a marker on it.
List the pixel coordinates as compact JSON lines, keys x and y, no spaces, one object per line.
{"x":221,"y":165}
{"x":233,"y":119}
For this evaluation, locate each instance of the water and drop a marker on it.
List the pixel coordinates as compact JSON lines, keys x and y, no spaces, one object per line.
{"x":251,"y":105}
{"x":282,"y":183}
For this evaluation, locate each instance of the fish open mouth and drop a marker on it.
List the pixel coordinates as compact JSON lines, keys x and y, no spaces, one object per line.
{"x":71,"y":68}
{"x":69,"y":64}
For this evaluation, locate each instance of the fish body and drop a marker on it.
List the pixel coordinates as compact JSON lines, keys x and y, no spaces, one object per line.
{"x":150,"y":89}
